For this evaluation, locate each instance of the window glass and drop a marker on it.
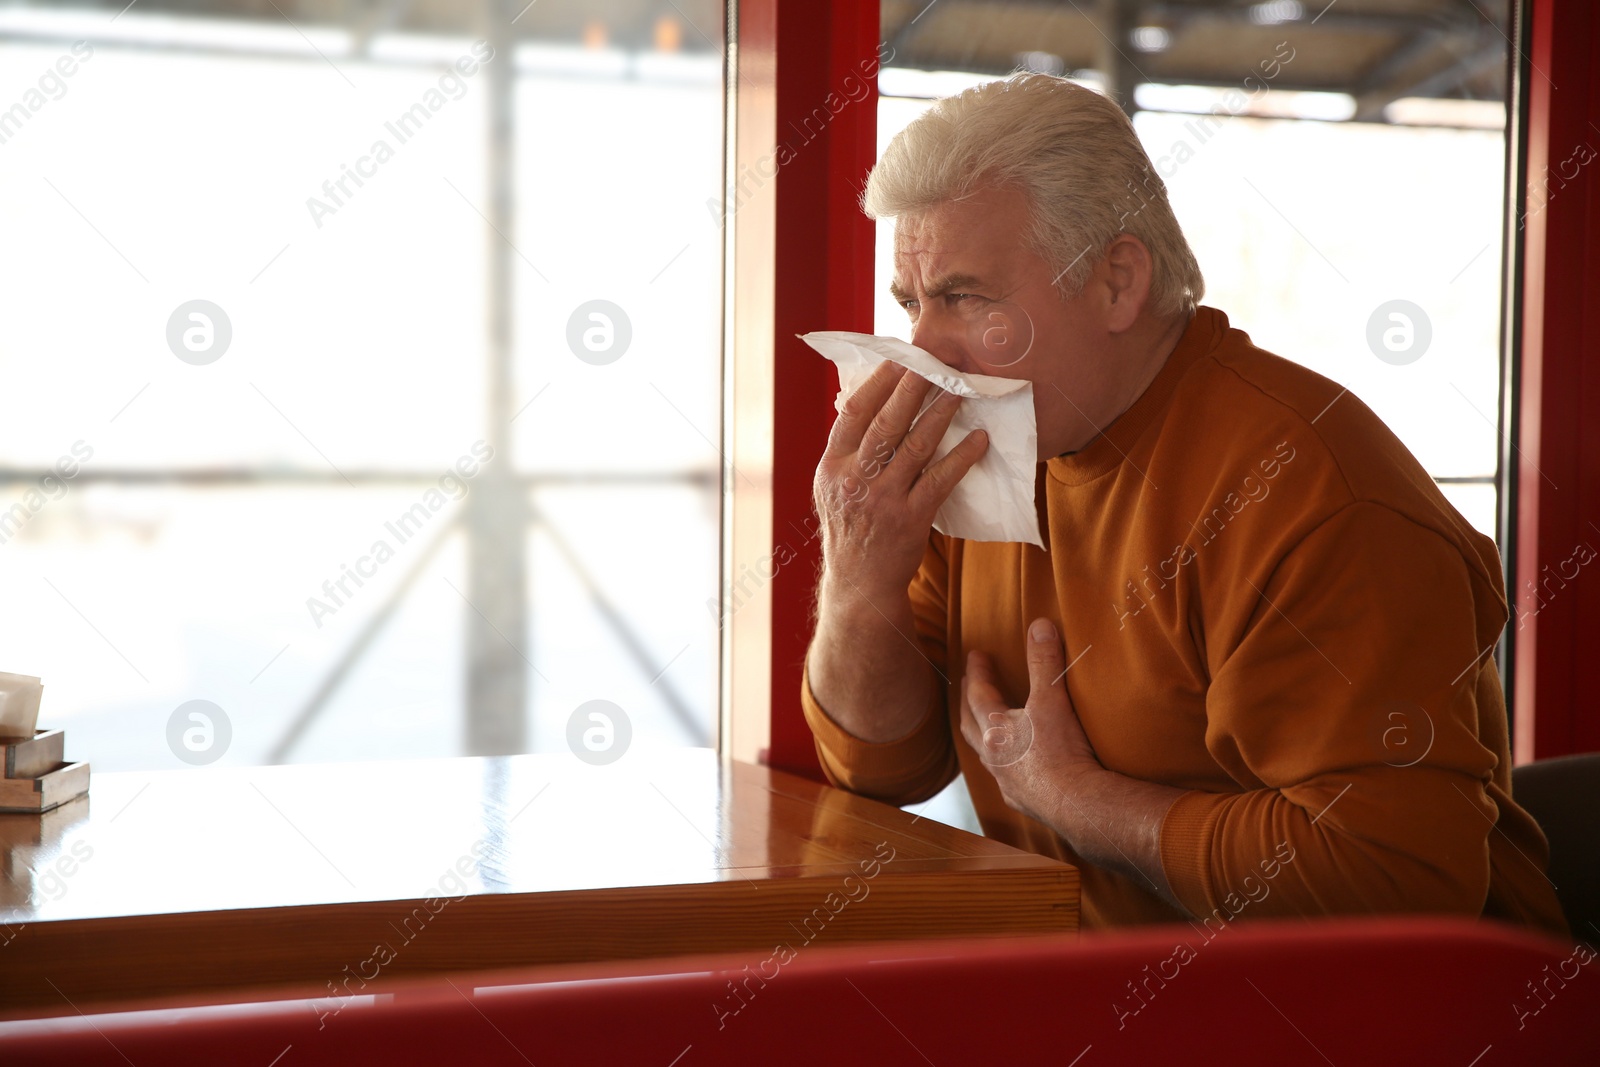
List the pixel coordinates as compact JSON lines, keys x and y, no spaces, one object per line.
{"x":382,"y":344}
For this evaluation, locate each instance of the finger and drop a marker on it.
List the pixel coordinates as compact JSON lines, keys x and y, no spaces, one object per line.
{"x":939,"y":479}
{"x":976,"y":722}
{"x":1001,"y":735}
{"x":920,"y":444}
{"x":894,"y":419}
{"x":969,"y":725}
{"x":1046,"y":665}
{"x":861,"y":407}
{"x":983,"y":695}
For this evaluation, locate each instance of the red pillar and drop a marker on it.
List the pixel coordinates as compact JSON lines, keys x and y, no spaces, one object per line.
{"x":1556,"y":594}
{"x":809,"y":73}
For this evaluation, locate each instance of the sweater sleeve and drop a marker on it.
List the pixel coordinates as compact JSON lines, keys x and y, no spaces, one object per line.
{"x":916,"y":766}
{"x":1346,"y":708}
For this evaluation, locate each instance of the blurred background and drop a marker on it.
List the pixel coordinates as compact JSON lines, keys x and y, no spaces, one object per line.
{"x":280,"y":273}
{"x":382,"y":333}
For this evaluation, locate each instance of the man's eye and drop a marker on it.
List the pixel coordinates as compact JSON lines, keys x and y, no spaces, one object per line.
{"x":963,"y":297}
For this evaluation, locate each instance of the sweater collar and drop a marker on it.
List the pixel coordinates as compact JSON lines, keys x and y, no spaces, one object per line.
{"x":1110,"y":448}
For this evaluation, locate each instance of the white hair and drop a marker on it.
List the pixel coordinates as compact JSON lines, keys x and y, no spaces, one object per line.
{"x":1072,"y":152}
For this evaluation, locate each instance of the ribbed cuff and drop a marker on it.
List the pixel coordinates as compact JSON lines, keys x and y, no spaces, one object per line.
{"x":887,"y":770}
{"x":1186,"y":835}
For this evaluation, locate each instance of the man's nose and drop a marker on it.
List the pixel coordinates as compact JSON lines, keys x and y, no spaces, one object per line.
{"x":943,"y":338}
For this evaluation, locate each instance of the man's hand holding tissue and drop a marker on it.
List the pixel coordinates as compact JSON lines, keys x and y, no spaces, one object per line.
{"x":876,"y":494}
{"x":875,"y":491}
{"x":1046,"y":767}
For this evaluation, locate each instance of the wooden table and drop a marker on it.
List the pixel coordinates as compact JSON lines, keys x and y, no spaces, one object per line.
{"x":324,"y":880}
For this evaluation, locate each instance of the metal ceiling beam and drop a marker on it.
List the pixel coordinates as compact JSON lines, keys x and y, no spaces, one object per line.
{"x":1377,"y":88}
{"x":1453,"y":19}
{"x":906,"y":30}
{"x":1490,"y":56}
{"x":1114,"y":21}
{"x":1330,"y":18}
{"x":380,"y":17}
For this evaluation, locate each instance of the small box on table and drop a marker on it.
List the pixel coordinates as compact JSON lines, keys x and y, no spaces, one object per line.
{"x":49,"y":790}
{"x":29,"y":757}
{"x":37,"y":776}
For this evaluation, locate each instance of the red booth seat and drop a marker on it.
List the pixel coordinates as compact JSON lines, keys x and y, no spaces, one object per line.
{"x":1344,"y":992}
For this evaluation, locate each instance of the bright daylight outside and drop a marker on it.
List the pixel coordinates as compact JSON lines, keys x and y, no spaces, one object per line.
{"x":397,"y":436}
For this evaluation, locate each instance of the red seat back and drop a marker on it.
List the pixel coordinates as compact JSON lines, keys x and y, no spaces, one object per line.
{"x":1342,"y":991}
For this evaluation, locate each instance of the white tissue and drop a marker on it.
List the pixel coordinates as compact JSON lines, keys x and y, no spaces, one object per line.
{"x":994,"y":501}
{"x":19,"y":705}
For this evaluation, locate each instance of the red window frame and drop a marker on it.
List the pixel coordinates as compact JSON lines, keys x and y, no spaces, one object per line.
{"x":1556,"y":233}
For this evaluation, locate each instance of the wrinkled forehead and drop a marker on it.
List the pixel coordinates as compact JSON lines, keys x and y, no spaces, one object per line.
{"x":979,"y":237}
{"x":924,"y":247}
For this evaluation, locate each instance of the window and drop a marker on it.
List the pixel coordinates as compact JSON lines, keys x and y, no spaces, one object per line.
{"x":388,"y":384}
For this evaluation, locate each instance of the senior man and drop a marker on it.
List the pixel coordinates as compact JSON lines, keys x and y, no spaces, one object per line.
{"x":1250,"y":672}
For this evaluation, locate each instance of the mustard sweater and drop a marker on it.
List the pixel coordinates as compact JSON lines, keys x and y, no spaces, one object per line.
{"x":1266,"y":601}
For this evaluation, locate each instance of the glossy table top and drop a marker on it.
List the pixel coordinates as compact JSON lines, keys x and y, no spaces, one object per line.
{"x":293,"y":867}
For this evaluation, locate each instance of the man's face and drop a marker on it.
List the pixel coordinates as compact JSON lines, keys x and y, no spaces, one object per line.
{"x":982,"y":302}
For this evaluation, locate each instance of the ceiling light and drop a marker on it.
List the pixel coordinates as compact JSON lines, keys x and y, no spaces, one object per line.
{"x":1276,"y":11}
{"x":1151,"y":38}
{"x":1042,"y":63}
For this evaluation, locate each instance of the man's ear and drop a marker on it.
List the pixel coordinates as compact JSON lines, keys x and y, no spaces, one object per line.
{"x":1128,"y":272}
